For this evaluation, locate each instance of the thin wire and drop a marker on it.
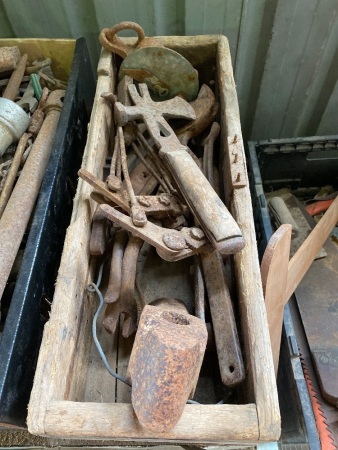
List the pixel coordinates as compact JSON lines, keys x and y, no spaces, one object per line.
{"x":95,"y":288}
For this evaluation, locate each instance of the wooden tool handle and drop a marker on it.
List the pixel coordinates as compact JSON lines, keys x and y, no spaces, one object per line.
{"x":305,"y":255}
{"x":214,"y":218}
{"x":274,"y":271}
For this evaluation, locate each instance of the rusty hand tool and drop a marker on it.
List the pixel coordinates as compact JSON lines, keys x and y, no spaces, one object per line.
{"x":206,"y":108}
{"x":208,"y":152}
{"x":166,"y":72}
{"x":213,"y":216}
{"x":38,"y":116}
{"x":143,"y":181}
{"x":25,"y":192}
{"x":167,"y":181}
{"x":37,"y":65}
{"x":115,"y":273}
{"x":113,"y":180}
{"x":223,"y":319}
{"x":171,"y":245}
{"x":110,"y":41}
{"x":13,"y":119}
{"x":127,"y":301}
{"x":98,"y":235}
{"x":199,"y":289}
{"x":28,"y":101}
{"x":164,"y":363}
{"x":137,"y":212}
{"x":156,"y":206}
{"x":146,"y":163}
{"x":134,"y":132}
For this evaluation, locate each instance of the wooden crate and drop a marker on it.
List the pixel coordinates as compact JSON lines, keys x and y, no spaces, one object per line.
{"x":73,"y":396}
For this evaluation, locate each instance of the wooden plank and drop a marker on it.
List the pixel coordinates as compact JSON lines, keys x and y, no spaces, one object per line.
{"x":305,"y":255}
{"x":248,"y":278}
{"x":71,"y":303}
{"x":218,"y":423}
{"x":274,"y":270}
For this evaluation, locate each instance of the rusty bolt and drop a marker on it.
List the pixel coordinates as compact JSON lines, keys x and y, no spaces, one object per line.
{"x":113,"y":182}
{"x":197,"y":233}
{"x":143,"y":201}
{"x":174,"y":241}
{"x":164,"y":199}
{"x":138,"y":216}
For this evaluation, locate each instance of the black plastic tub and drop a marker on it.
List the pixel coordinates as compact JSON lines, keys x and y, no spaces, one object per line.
{"x":28,"y":310}
{"x":294,"y":163}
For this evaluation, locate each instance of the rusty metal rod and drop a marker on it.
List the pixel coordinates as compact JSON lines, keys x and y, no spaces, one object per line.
{"x":15,"y":80}
{"x":12,"y":172}
{"x":21,"y":203}
{"x":151,"y":169}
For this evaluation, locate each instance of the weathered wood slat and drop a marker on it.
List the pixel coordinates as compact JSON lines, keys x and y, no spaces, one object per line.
{"x":117,"y":420}
{"x":70,"y":324}
{"x":248,"y":277}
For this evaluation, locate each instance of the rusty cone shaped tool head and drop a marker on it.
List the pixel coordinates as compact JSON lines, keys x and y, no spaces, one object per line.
{"x":164,"y":364}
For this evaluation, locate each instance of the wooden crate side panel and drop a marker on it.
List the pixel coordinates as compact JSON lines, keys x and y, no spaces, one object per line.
{"x":249,"y":284}
{"x":199,"y":423}
{"x":60,"y":342}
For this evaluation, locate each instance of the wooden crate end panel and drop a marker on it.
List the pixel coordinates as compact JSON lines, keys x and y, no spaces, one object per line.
{"x":118,"y":421}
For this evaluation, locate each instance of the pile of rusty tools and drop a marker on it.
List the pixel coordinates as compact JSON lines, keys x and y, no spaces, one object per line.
{"x":29,"y":114}
{"x":161,"y":193}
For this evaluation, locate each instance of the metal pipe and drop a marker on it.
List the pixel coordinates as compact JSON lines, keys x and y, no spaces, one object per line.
{"x":21,"y":203}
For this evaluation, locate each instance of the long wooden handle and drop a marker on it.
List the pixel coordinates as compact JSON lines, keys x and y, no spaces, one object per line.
{"x":274,"y":271}
{"x":305,"y":255}
{"x":213,"y":216}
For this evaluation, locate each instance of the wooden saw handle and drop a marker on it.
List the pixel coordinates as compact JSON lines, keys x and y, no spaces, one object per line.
{"x":213,"y":216}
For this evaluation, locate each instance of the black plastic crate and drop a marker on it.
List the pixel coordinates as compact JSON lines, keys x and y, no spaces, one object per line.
{"x":296,"y":164}
{"x":28,"y":310}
